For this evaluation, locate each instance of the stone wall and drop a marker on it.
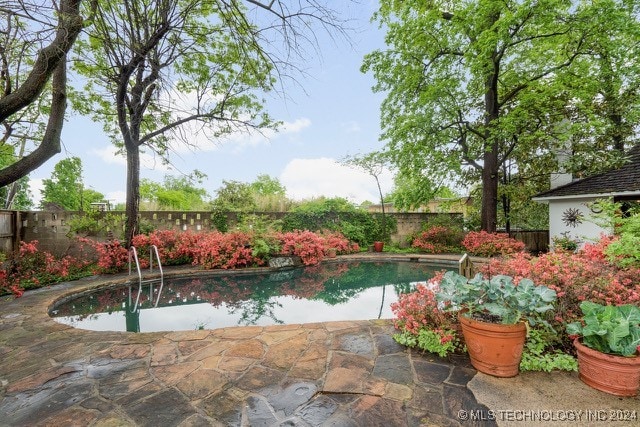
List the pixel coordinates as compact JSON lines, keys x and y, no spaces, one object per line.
{"x":52,"y":229}
{"x":53,"y":233}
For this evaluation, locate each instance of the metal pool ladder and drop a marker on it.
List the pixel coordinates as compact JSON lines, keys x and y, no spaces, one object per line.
{"x":133,"y":254}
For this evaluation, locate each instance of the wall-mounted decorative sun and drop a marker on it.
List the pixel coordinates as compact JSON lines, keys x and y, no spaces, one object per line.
{"x":572,"y":217}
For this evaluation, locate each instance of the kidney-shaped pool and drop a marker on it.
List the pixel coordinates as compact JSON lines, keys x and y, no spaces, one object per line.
{"x":353,"y":290}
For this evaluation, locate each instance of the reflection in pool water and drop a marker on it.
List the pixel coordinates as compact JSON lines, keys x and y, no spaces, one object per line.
{"x":325,"y":292}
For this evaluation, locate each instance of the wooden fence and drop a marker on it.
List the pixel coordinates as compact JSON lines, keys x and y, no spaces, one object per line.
{"x":8,"y":232}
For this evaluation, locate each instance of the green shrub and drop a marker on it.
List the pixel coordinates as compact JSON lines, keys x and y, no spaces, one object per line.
{"x":338,"y":215}
{"x":625,"y":251}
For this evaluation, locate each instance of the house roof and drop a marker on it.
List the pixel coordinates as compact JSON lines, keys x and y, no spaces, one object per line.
{"x":618,"y":182}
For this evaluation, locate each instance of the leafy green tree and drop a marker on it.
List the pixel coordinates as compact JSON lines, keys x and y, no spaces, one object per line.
{"x":264,"y":185}
{"x":410,"y":191}
{"x":170,"y":70}
{"x":34,"y":40}
{"x":65,"y":185}
{"x":270,"y":194}
{"x":472,"y":84}
{"x":234,"y":196}
{"x":66,"y":188}
{"x":15,"y":195}
{"x":605,"y":88}
{"x":176,"y":193}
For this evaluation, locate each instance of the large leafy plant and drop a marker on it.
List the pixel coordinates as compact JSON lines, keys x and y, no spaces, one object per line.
{"x":609,"y":329}
{"x":497,"y":299}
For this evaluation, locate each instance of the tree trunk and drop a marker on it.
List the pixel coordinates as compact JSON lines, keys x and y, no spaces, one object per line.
{"x":489,"y":214}
{"x":133,"y":194}
{"x":47,"y":61}
{"x":50,"y":144}
{"x":384,"y":219}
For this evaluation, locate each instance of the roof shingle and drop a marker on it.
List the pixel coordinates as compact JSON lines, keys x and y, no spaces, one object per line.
{"x":625,"y":179}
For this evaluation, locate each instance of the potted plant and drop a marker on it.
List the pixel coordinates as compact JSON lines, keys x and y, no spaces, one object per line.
{"x":607,"y":341}
{"x":492,"y":315}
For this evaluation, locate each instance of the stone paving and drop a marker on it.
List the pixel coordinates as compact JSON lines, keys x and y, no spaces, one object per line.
{"x":324,"y":374}
{"x":329,"y":374}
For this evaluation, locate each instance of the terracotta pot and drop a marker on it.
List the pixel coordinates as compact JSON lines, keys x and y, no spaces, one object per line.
{"x":331,"y":253}
{"x":378,"y":246}
{"x":617,"y":375}
{"x":494,"y":348}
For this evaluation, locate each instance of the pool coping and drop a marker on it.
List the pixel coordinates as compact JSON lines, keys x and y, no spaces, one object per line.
{"x":54,"y":374}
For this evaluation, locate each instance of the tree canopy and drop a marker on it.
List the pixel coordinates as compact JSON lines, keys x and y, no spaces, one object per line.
{"x":66,"y":187}
{"x":164,"y":72}
{"x":473,"y":85}
{"x":175,"y":193}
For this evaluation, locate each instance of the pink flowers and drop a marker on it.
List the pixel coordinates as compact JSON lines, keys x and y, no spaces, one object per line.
{"x":438,"y":240}
{"x":30,"y":267}
{"x":485,"y":244}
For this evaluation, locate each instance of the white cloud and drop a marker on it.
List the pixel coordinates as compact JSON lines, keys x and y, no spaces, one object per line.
{"x":35,"y":186}
{"x":310,"y":178}
{"x":109,"y":155}
{"x":116,"y":197}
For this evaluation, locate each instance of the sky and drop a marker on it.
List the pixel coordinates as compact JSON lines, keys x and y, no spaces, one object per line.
{"x":334,"y":114}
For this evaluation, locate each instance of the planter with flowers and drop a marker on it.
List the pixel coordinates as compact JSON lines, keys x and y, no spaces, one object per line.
{"x":493,"y":315}
{"x":608,"y":342}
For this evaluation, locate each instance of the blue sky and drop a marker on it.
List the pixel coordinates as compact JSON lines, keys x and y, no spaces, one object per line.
{"x":335,"y":115}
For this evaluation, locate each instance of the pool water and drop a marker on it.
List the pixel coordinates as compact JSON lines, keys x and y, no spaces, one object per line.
{"x":326,"y":292}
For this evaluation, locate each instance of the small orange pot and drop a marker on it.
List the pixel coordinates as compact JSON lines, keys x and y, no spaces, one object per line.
{"x":617,"y":375}
{"x":494,"y":348}
{"x":378,"y":246}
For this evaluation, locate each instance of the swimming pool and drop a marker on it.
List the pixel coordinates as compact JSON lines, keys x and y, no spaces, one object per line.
{"x":353,"y":290}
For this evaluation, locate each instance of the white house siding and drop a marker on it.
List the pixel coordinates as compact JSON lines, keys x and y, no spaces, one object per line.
{"x":585,"y":231}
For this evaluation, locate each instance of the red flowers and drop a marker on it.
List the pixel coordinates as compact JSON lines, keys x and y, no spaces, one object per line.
{"x":485,"y":244}
{"x":29,"y":267}
{"x":438,"y":240}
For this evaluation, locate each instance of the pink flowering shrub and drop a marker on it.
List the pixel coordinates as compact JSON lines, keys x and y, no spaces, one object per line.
{"x":438,"y":240}
{"x":585,"y":275}
{"x":112,"y":257}
{"x":485,"y":244}
{"x":337,"y":241}
{"x":309,"y":246}
{"x":31,"y":268}
{"x":174,"y":247}
{"x":421,"y":323}
{"x":224,"y":250}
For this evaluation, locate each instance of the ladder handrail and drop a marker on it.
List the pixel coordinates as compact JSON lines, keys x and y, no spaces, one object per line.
{"x":134,"y":253}
{"x":155,"y":250}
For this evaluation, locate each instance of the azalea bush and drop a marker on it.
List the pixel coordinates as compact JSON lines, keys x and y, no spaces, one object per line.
{"x":309,"y":246}
{"x":336,"y":240}
{"x":424,"y":325}
{"x":481,"y":243}
{"x":174,"y":247}
{"x":583,"y":276}
{"x":225,"y":250}
{"x":438,"y":239}
{"x":29,"y":267}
